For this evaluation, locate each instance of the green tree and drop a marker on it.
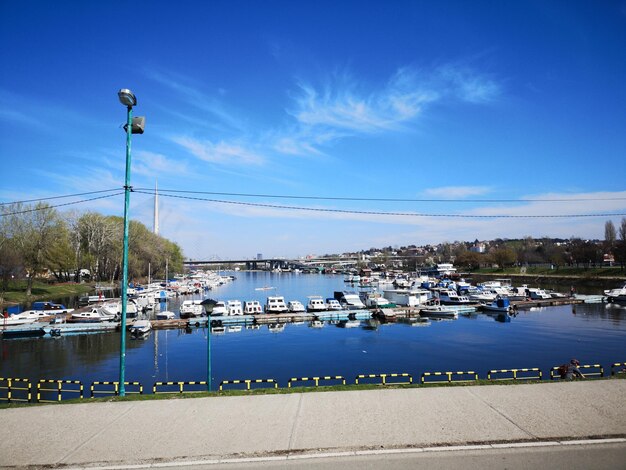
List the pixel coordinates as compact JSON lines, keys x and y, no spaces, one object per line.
{"x":34,"y":229}
{"x":503,"y":257}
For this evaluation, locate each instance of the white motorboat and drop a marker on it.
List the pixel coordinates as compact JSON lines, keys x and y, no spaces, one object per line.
{"x":219,"y":309}
{"x":165,"y":315}
{"x":333,"y":304}
{"x":438,"y":311}
{"x":316,"y":304}
{"x":450,"y":297}
{"x":191,"y":308}
{"x":95,"y":315}
{"x":616,"y":295}
{"x":16,"y":320}
{"x":375,"y":300}
{"x":499,"y":305}
{"x":140,"y":328}
{"x":349,"y":300}
{"x":275,"y":305}
{"x":234,"y":307}
{"x":316,"y":324}
{"x":252,"y":307}
{"x":115,"y":308}
{"x":29,"y":316}
{"x":295,"y":306}
{"x":410,"y":298}
{"x":537,"y":294}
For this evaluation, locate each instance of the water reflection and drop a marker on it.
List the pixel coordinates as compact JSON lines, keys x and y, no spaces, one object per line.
{"x":539,"y":337}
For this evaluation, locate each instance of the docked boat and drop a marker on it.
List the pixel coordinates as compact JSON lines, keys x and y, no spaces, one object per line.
{"x":316,"y":324}
{"x":438,"y":311}
{"x":534,"y":293}
{"x":616,"y":295}
{"x":275,"y":305}
{"x":499,"y":305}
{"x":349,"y":300}
{"x":191,"y":309}
{"x":234,"y":307}
{"x":115,"y":308}
{"x":50,"y":308}
{"x":95,"y":315}
{"x":14,"y":320}
{"x":375,"y":300}
{"x":165,"y":315}
{"x":140,"y":328}
{"x":450,"y":297}
{"x":252,"y":307}
{"x":349,"y":324}
{"x":408,"y":297}
{"x":295,"y":306}
{"x":333,"y":304}
{"x":219,"y":309}
{"x":316,"y":304}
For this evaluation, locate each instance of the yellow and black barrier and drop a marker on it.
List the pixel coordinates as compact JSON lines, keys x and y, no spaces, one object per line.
{"x":449,"y":375}
{"x":58,"y":389}
{"x":383,"y":378}
{"x":180,"y":385}
{"x":247,"y":382}
{"x":596,"y":371}
{"x":10,"y":387}
{"x":533,"y":373}
{"x":617,"y":365}
{"x":316,"y":380}
{"x":115,"y":390}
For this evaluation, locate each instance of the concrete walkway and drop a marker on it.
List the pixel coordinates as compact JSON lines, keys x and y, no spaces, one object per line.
{"x":158,"y":431}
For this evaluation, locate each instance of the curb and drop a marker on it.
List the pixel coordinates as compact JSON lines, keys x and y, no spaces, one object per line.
{"x":357,"y":453}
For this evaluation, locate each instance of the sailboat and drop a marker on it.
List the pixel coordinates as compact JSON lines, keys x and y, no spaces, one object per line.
{"x":166,"y":314}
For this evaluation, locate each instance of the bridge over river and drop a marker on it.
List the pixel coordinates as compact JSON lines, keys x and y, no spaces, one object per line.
{"x":269,"y":264}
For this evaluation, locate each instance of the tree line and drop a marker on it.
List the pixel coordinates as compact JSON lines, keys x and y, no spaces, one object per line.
{"x":37,"y":240}
{"x":527,"y":251}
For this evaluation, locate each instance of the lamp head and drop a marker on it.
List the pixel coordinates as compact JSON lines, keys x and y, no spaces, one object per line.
{"x":127,"y":98}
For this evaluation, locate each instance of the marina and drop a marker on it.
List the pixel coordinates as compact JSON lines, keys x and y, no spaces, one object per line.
{"x":537,"y":333}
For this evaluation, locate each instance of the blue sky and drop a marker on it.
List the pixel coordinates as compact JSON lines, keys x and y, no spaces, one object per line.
{"x":512,"y":102}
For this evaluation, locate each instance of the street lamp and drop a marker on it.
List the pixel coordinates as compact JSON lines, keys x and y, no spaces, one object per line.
{"x":133,"y":126}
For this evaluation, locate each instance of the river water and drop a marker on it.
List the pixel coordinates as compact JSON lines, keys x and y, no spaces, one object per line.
{"x":593,"y":333}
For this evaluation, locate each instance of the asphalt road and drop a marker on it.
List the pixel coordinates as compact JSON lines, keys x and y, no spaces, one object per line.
{"x":570,"y":457}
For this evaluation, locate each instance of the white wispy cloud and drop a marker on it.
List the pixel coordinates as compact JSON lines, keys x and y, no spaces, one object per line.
{"x":342,"y":103}
{"x":220,"y":152}
{"x":456,"y":192}
{"x":152,"y":164}
{"x":194,"y":96}
{"x":468,"y":85}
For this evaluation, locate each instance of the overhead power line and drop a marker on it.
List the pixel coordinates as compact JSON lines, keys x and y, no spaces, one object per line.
{"x":395,"y":214}
{"x":35,"y":209}
{"x":58,"y":197}
{"x":371,"y":199}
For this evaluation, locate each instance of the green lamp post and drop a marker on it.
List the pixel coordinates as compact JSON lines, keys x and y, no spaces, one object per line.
{"x":127,"y":98}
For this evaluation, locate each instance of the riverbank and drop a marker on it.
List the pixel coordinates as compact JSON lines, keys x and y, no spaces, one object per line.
{"x":297,"y":425}
{"x":16,"y":293}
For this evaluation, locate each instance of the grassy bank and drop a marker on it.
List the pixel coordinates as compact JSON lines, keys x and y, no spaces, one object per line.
{"x":567,"y":271}
{"x":282,"y":391}
{"x":16,"y":292}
